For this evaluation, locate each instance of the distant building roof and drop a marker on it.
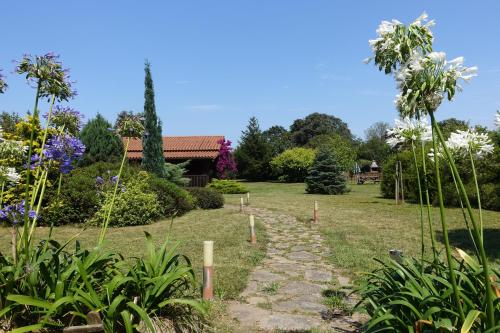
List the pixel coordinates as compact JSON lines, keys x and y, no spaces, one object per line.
{"x":181,"y":147}
{"x":374,"y":165}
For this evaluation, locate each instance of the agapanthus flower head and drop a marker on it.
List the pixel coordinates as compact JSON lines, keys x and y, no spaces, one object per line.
{"x":497,"y":119}
{"x":9,"y":174}
{"x":130,"y":125}
{"x":395,"y":41}
{"x":470,"y":141}
{"x":433,"y":155}
{"x":47,"y":71}
{"x":15,"y":213}
{"x":64,"y":149}
{"x":409,"y":130}
{"x":416,"y":95}
{"x":67,"y":118}
{"x":3,"y":85}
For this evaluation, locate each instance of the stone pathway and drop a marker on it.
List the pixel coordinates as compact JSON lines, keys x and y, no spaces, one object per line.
{"x":287,"y":292}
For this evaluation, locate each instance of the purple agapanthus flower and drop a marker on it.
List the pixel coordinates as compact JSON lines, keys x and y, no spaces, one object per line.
{"x":67,"y":118}
{"x":64,"y":149}
{"x":3,"y":85}
{"x":14,"y":213}
{"x":99,"y":180}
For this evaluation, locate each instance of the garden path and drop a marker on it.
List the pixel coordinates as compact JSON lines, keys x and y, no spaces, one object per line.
{"x":287,"y":291}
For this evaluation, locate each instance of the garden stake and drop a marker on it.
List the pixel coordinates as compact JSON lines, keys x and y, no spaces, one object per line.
{"x":241,"y":204}
{"x":315,"y":212}
{"x":253,"y":237}
{"x":208,"y":270}
{"x":248,"y":198}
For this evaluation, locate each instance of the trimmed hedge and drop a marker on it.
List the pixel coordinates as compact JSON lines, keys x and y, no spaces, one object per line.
{"x":207,"y":198}
{"x":227,"y":186}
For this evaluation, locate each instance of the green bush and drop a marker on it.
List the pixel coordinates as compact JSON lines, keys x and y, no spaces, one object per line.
{"x":207,"y":198}
{"x":292,"y":165}
{"x":326,"y":175}
{"x":173,"y":200}
{"x":136,"y":204}
{"x":227,"y":186}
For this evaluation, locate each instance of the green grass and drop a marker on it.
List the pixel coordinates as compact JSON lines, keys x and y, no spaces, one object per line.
{"x":234,"y":256}
{"x":361,"y":225}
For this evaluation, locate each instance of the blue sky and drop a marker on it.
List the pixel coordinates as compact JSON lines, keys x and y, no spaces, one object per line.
{"x":217,"y":63}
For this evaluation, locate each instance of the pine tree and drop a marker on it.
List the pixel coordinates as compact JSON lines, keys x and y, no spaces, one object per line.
{"x":254,"y":153}
{"x":326,"y":175}
{"x":152,"y":142}
{"x":101,"y":143}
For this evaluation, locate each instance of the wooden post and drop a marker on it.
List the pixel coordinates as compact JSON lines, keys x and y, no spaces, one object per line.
{"x":253,"y":237}
{"x":315,"y":212}
{"x":208,"y":270}
{"x":248,"y":198}
{"x":241,"y":204}
{"x":401,"y":182}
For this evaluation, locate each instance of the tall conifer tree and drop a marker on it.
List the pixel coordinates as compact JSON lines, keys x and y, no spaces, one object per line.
{"x":152,"y":143}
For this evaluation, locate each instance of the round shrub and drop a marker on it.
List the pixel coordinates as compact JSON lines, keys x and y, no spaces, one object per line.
{"x":227,"y":186}
{"x":173,"y":200}
{"x":207,"y":198}
{"x":135,"y":204}
{"x":292,"y":164}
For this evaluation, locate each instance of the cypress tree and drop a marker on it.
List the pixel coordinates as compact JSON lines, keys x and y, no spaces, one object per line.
{"x":326,"y":174}
{"x":101,"y":143}
{"x":152,"y":142}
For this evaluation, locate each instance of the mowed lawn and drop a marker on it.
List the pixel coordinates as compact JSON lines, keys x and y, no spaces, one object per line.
{"x":360,"y":225}
{"x":234,"y":256}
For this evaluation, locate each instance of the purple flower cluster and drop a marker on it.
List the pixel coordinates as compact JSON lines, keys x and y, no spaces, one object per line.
{"x":225,"y":162}
{"x":102,"y":184}
{"x":46,"y":72}
{"x":15,"y":213}
{"x":3,"y":85}
{"x":65,"y":149}
{"x":67,"y":118}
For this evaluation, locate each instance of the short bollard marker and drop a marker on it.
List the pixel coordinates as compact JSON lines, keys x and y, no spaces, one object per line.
{"x":253,"y":237}
{"x":208,"y":270}
{"x":315,"y":212}
{"x":241,"y":204}
{"x":248,"y":198}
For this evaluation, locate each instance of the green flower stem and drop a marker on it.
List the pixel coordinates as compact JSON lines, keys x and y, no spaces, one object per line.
{"x":59,"y":185}
{"x":428,"y":204}
{"x":1,"y":195}
{"x":44,"y":176}
{"x":421,"y":206}
{"x":108,"y":215}
{"x":474,"y":174}
{"x":28,"y":173}
{"x":490,"y":314}
{"x":451,"y":264}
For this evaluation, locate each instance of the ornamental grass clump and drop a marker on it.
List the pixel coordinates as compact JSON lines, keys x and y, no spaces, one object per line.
{"x":433,"y":294}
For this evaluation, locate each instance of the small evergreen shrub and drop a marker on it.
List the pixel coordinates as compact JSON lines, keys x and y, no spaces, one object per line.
{"x":326,"y":176}
{"x":135,"y":204}
{"x":227,"y":186}
{"x":173,"y":200}
{"x":207,"y":198}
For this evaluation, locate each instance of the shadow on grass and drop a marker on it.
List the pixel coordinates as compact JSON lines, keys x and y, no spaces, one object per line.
{"x":461,"y":238}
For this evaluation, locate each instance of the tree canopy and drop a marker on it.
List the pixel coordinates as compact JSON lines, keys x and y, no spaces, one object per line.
{"x":101,"y":143}
{"x":303,"y":130}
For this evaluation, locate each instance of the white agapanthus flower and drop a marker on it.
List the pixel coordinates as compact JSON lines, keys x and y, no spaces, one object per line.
{"x":469,"y":141}
{"x":9,"y":174}
{"x":432,"y":155}
{"x":497,"y":119}
{"x":408,"y":130}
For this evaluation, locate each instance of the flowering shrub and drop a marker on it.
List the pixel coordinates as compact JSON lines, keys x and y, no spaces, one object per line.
{"x":226,"y":166}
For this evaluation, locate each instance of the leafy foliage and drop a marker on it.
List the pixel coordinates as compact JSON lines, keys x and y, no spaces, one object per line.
{"x":279,"y":138}
{"x":207,"y":198}
{"x":400,"y":296}
{"x":326,"y":175}
{"x":303,"y":130}
{"x":341,"y":147}
{"x":152,"y":142}
{"x":175,"y":173}
{"x":102,"y":145}
{"x":293,"y":164}
{"x":227,"y":186}
{"x":375,"y":147}
{"x":173,"y":200}
{"x":8,"y":121}
{"x":253,"y":153}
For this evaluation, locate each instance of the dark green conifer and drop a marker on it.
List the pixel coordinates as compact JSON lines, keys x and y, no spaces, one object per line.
{"x":326,"y":175}
{"x":101,"y":143}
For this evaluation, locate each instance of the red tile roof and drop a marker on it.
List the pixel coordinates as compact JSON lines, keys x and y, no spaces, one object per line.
{"x":181,"y":147}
